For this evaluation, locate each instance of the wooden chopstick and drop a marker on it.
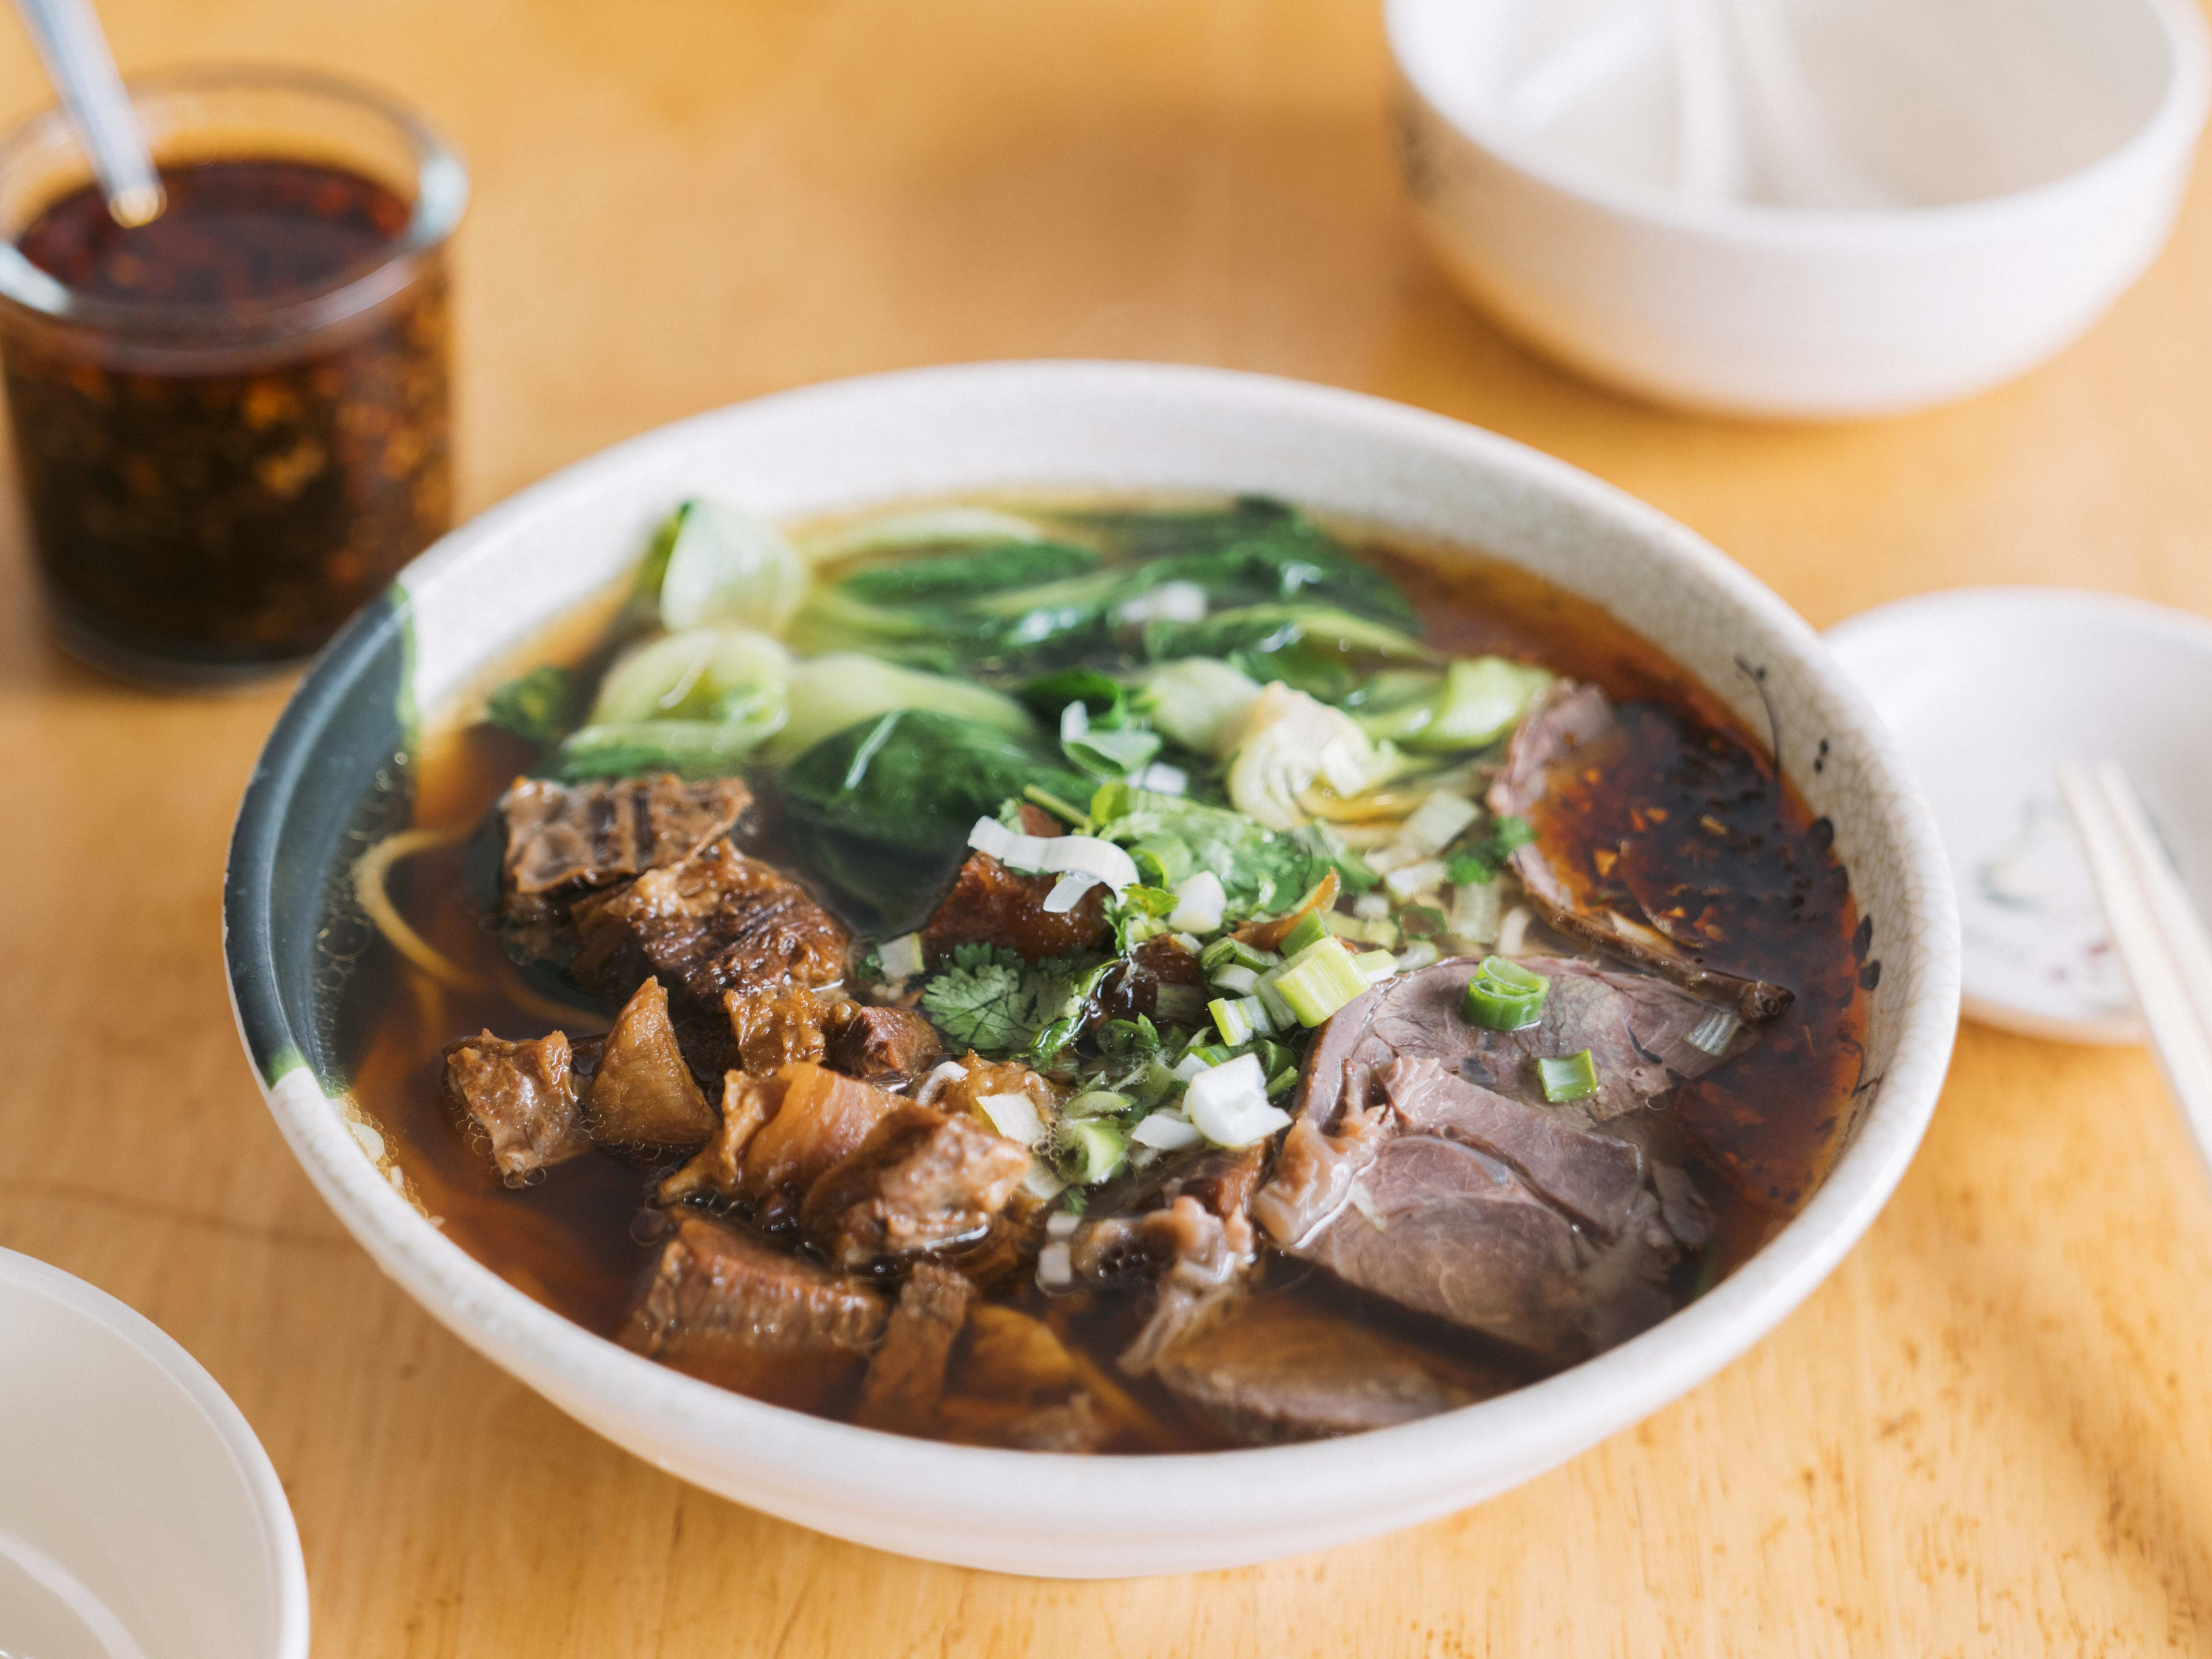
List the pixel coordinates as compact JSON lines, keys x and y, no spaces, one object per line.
{"x":2160,"y":936}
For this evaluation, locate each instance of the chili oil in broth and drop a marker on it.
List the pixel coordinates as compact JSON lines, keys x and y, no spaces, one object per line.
{"x":1688,"y":792}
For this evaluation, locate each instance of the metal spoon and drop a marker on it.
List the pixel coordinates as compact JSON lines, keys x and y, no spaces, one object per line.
{"x":74,"y":51}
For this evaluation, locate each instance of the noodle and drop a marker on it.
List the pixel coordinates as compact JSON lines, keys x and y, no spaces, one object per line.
{"x":368,"y":879}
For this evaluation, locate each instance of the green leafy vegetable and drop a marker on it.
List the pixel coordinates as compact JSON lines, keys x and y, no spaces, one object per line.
{"x":1200,"y":702}
{"x":692,"y":749}
{"x":724,"y":674}
{"x":536,"y":705}
{"x":726,"y":567}
{"x":1174,"y":837}
{"x":1321,"y":650}
{"x":829,"y":694}
{"x":1478,"y":860}
{"x":936,"y":578}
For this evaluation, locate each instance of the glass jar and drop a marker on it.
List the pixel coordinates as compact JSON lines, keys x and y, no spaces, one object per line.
{"x":230,"y":425}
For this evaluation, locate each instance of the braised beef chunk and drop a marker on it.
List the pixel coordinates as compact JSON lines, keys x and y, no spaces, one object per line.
{"x":522,"y":1096}
{"x":1564,"y":735}
{"x":717,"y":1170}
{"x":724,"y":1304}
{"x":642,"y":1093}
{"x":1275,"y":1369}
{"x":883,"y":1045}
{"x":1017,"y":1384}
{"x":822,"y":1120}
{"x":921,"y":1184}
{"x":990,"y":905}
{"x":1136,"y":987}
{"x":775,"y":1026}
{"x":1636,"y":1028}
{"x":716,"y":923}
{"x":906,"y":1379}
{"x":566,"y":840}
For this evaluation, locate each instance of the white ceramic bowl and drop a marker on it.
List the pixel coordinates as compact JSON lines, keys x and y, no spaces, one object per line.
{"x":495,"y":582}
{"x":139,"y":1518}
{"x":2050,"y":202}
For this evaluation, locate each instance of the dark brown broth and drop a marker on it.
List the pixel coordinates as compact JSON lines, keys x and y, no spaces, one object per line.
{"x":1766,"y":1125}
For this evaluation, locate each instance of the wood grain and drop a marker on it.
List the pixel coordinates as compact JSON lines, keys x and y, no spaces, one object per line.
{"x":1988,"y":1434}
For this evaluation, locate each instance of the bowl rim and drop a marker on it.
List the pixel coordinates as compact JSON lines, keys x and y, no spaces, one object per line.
{"x":2169,"y":133}
{"x":1553,"y":1418}
{"x":282,"y":1555}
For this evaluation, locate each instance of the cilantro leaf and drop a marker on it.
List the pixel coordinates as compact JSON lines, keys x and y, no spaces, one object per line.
{"x":1478,"y":860}
{"x":991,"y":999}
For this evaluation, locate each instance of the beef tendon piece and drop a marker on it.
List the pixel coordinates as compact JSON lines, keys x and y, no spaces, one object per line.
{"x":716,"y":923}
{"x":990,"y":905}
{"x":523,"y":1096}
{"x":823,"y":1119}
{"x":723,"y":1305}
{"x":643,"y":1094}
{"x":883,"y":1045}
{"x":775,"y":1027}
{"x":717,"y":1171}
{"x":906,"y":1379}
{"x":1277,"y":1369}
{"x":1564,"y":736}
{"x":923,"y":1184}
{"x":564,"y":840}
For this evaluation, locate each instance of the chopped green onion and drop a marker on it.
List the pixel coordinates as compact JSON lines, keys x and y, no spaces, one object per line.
{"x":1380,"y":932}
{"x":1503,"y":996}
{"x":1574,"y":1077}
{"x":1237,"y":982}
{"x":1090,"y":1151}
{"x":1241,"y":1020}
{"x":1311,"y":930}
{"x":1236,"y":953}
{"x":1179,"y":1004}
{"x":1285,"y":1078}
{"x":1097,"y":1102}
{"x":1374,"y":966}
{"x":1208,"y":1055}
{"x":1318,"y":980}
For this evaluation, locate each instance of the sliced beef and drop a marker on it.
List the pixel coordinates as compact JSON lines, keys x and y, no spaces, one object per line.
{"x":883,"y":1045}
{"x":990,"y":905}
{"x":564,"y":840}
{"x":1636,"y":1029}
{"x":716,"y":923}
{"x":1276,"y":1369}
{"x":1595,"y":1178}
{"x":923,"y":1183}
{"x":906,"y":1379}
{"x":717,"y":1171}
{"x":642,"y":1094}
{"x":724,"y":1304}
{"x":522,"y":1096}
{"x":822,"y":1120}
{"x":1563,"y":736}
{"x":1440,"y":1227}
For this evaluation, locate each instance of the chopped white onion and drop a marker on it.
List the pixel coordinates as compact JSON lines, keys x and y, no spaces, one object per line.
{"x":1199,"y":901}
{"x":1391,"y":856}
{"x":1414,"y":879}
{"x":1075,"y":720}
{"x":1166,"y":1131}
{"x":1513,"y":931}
{"x":1419,"y":954}
{"x":1044,"y":1183}
{"x":1474,"y":914}
{"x":1435,"y":822}
{"x":1083,"y":855}
{"x":1370,"y":906}
{"x":949,"y":1072}
{"x":1014,"y":1117}
{"x":1164,"y":780}
{"x":990,"y":836}
{"x":1236,"y":979}
{"x":900,"y":957}
{"x":1055,"y":1271}
{"x":1067,"y":892}
{"x":1188,"y":1067}
{"x":1061,"y":1225}
{"x":1189,"y":942}
{"x":1229,"y":1104}
{"x":1169,"y":602}
{"x":1714,"y":1033}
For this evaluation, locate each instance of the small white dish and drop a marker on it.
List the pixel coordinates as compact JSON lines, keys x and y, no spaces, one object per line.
{"x":139,"y":1516}
{"x":2035,"y":154}
{"x":1989,"y":690}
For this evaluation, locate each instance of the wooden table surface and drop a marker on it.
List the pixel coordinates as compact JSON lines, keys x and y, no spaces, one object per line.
{"x":1989,"y":1432}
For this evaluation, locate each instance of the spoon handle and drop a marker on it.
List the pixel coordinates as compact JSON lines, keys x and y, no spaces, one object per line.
{"x":74,"y":50}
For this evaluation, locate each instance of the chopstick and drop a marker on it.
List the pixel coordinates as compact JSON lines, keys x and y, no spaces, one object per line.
{"x":2160,"y":936}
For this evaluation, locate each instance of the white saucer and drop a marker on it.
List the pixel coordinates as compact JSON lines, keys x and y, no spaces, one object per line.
{"x":139,"y":1516}
{"x":1988,"y":690}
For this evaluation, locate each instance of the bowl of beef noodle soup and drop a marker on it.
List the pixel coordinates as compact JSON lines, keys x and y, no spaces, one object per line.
{"x":1092,"y":970}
